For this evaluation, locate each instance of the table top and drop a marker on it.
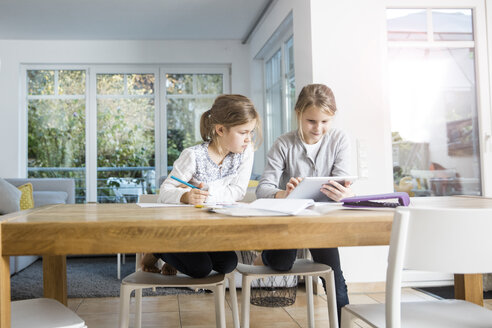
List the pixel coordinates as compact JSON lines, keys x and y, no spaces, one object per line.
{"x":128,"y":228}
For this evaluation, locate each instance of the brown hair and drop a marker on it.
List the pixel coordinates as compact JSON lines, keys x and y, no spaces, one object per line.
{"x":229,"y":111}
{"x":315,"y":95}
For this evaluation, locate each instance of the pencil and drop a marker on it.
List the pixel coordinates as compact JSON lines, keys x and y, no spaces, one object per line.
{"x":185,"y":183}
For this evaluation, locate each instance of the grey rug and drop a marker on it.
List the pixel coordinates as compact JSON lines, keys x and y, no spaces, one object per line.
{"x":86,"y":277}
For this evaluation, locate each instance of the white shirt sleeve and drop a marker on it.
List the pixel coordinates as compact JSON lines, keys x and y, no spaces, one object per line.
{"x":233,"y":188}
{"x":183,"y":168}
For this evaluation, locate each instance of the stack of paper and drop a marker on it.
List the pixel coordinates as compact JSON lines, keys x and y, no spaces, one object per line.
{"x":269,"y":207}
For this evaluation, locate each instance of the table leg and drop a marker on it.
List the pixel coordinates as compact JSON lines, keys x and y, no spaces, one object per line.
{"x":469,"y":287}
{"x":55,"y":277}
{"x":5,"y":291}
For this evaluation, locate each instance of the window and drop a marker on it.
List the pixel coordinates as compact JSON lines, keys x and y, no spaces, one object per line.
{"x":188,"y":96}
{"x":56,"y":106}
{"x":433,"y":101}
{"x":279,"y":91}
{"x":107,"y":126}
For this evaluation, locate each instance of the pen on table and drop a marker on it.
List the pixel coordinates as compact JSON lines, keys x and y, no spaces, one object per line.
{"x":185,"y":183}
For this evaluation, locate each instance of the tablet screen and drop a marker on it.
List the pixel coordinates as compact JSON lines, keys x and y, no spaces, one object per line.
{"x":309,"y":188}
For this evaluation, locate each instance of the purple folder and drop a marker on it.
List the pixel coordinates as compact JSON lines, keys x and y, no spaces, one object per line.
{"x":378,"y":200}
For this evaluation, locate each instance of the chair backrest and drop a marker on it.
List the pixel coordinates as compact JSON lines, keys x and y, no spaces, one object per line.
{"x":451,"y":240}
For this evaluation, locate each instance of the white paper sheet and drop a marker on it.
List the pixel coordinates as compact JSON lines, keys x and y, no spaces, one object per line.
{"x":146,"y":205}
{"x":271,"y":207}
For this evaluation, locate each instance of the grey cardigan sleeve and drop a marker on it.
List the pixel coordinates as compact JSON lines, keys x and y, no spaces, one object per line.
{"x":275,"y":166}
{"x":341,"y":165}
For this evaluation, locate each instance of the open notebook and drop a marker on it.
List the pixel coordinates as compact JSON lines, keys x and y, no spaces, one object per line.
{"x":269,"y":207}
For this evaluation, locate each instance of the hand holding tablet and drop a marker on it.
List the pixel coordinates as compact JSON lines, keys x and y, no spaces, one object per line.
{"x":310,"y":188}
{"x":336,"y":191}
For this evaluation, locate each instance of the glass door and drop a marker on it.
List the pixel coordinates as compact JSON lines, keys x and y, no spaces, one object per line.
{"x":125,"y":136}
{"x":433,"y":101}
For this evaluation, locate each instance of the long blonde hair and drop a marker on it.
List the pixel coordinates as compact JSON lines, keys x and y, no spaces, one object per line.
{"x":229,"y":111}
{"x":314,"y":95}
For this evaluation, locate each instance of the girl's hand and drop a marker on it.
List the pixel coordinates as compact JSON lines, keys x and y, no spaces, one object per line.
{"x":291,"y":185}
{"x":337,"y":191}
{"x":195,"y":196}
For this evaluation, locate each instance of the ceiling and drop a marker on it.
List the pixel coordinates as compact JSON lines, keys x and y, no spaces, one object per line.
{"x":128,"y":19}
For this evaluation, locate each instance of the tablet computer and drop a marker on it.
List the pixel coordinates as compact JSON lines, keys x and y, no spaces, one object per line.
{"x":310,"y":187}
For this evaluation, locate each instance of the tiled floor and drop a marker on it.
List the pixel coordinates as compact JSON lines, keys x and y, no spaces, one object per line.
{"x":197,"y":311}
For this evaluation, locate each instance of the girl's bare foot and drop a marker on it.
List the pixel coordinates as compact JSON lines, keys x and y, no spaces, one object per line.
{"x":168,"y":270}
{"x":258,"y":260}
{"x":149,"y":262}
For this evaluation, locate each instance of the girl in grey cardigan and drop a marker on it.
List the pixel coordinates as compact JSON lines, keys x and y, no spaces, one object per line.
{"x":312,"y":150}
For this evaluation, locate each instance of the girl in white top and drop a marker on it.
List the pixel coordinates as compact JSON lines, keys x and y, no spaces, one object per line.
{"x":221,"y":168}
{"x":314,"y":149}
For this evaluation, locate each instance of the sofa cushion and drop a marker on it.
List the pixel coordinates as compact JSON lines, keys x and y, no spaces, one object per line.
{"x":49,"y":197}
{"x":9,"y":197}
{"x":26,"y":200}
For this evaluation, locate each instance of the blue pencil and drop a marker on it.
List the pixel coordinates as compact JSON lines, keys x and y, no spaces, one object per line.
{"x":185,"y":183}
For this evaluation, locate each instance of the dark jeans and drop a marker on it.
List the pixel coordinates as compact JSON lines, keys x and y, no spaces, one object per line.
{"x":199,"y":265}
{"x":283,"y":259}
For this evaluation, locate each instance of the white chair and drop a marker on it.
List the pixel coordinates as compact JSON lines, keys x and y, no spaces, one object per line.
{"x":140,"y":280}
{"x":43,"y":313}
{"x":438,"y":240}
{"x":301,"y":267}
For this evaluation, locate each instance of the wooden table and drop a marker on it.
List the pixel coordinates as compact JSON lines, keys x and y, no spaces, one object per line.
{"x":55,"y":231}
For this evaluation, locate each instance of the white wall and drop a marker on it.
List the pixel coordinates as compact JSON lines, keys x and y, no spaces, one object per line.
{"x":13,"y":53}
